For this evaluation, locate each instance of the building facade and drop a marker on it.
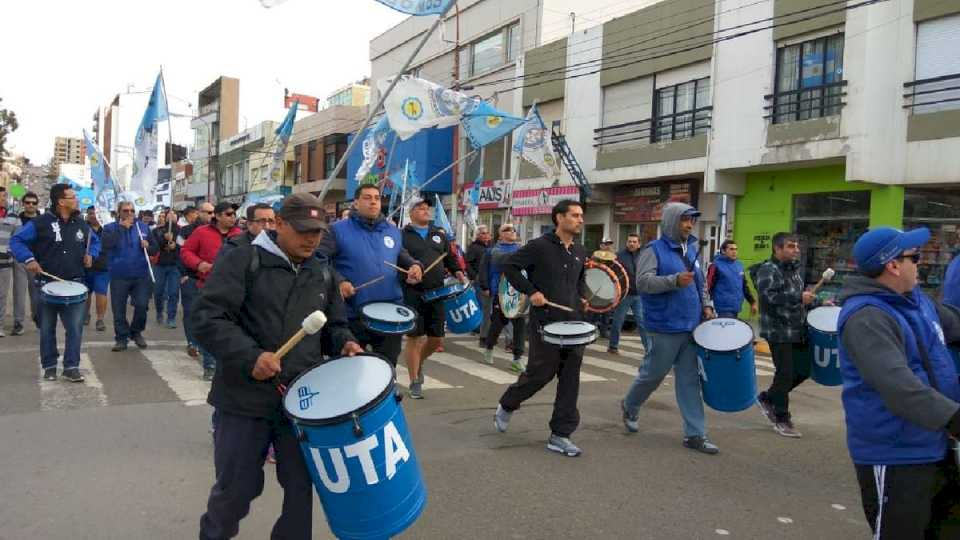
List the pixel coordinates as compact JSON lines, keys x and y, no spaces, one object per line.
{"x":353,"y":95}
{"x":67,"y":150}
{"x":217,"y":120}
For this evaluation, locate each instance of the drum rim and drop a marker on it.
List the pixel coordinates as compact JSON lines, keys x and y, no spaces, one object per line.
{"x":408,"y":308}
{"x":345,"y":417}
{"x":451,"y":290}
{"x":616,"y":281}
{"x":68,"y":282}
{"x":753,"y":335}
{"x":818,"y":329}
{"x":626,"y":279}
{"x":543,"y":329}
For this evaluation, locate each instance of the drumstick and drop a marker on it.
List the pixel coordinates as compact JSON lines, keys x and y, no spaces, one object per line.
{"x":52,"y":276}
{"x":397,"y":268}
{"x":434,"y":263}
{"x":558,"y":306}
{"x":367,"y":284}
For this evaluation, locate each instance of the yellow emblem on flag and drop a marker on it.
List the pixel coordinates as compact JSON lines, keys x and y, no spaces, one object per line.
{"x":412,"y":108}
{"x":494,"y":121}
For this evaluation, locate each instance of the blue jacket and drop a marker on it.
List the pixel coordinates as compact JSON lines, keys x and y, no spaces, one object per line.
{"x":358,"y":248}
{"x":125,"y":254}
{"x":494,"y":270}
{"x":679,"y":310}
{"x":727,"y":291}
{"x":875,"y":434}
{"x":951,"y":282}
{"x":57,"y":245}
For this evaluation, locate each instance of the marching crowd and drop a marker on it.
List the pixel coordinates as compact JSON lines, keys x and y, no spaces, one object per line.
{"x":246,"y":287}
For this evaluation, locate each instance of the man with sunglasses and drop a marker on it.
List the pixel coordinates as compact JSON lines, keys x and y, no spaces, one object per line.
{"x":22,"y":284}
{"x":901,"y":395}
{"x":260,"y":217}
{"x":489,"y":277}
{"x":200,"y":251}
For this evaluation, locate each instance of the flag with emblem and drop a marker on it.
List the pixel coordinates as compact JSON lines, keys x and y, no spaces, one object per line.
{"x":418,"y":7}
{"x":486,"y":124}
{"x":417,"y":104}
{"x":532,"y":141}
{"x":98,"y":169}
{"x":440,"y":217}
{"x":472,"y":210}
{"x":371,"y":146}
{"x":145,"y":165}
{"x":274,"y":175}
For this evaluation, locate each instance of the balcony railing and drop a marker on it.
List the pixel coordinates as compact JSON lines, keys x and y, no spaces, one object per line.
{"x":669,"y":127}
{"x":805,"y":103}
{"x":933,"y":94}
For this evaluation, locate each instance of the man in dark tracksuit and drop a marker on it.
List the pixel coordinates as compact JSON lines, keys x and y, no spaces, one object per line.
{"x":426,"y":244}
{"x":900,"y":390}
{"x":783,"y":314}
{"x":257,"y":299}
{"x":554,"y":267}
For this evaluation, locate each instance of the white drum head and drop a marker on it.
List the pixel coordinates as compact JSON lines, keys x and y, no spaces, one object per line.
{"x":338,"y":387}
{"x":603,"y":290}
{"x":388,"y":312}
{"x":723,"y":335}
{"x":64,"y":288}
{"x":824,"y":319}
{"x":569,"y":328}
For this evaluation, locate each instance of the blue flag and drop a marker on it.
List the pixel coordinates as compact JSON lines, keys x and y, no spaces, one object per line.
{"x":144,"y":178}
{"x":440,"y":218}
{"x":273,"y":177}
{"x":98,"y":169}
{"x":485,"y":124}
{"x":419,"y":7}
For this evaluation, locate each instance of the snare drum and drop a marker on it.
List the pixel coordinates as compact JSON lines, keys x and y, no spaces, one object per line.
{"x":725,"y":353}
{"x":63,"y":292}
{"x":357,"y":447}
{"x":513,"y":303}
{"x":603,"y":287}
{"x":569,"y":333}
{"x":451,"y":287}
{"x":388,"y":318}
{"x":822,"y":331}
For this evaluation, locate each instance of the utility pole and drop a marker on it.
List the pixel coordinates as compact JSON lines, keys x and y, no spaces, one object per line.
{"x":573,"y":22}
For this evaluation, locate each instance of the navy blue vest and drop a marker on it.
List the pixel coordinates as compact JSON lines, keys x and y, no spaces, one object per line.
{"x":676,"y":311}
{"x":727,"y":291}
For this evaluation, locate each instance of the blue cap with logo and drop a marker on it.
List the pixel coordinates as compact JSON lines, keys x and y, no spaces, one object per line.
{"x":879,"y":246}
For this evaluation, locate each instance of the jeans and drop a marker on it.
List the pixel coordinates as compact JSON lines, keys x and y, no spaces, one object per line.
{"x":138,"y":289}
{"x":167,"y":290}
{"x":6,"y":276}
{"x":72,"y":317}
{"x":631,"y":302}
{"x":22,"y":281}
{"x":188,"y":293}
{"x":679,"y":352}
{"x":791,"y":362}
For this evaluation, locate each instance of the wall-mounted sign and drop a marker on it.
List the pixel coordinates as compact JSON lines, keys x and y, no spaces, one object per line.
{"x":306,"y":103}
{"x":644,"y":202}
{"x":493,"y":194}
{"x":531,"y":202}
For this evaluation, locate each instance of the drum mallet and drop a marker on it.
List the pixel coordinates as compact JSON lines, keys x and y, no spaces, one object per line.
{"x":827,"y":276}
{"x":311,"y":325}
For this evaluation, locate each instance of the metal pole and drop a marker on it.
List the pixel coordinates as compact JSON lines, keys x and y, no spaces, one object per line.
{"x":445,"y":169}
{"x":383,"y":99}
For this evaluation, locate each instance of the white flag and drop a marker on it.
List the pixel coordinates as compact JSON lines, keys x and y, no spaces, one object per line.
{"x":416,"y":104}
{"x":531,"y":141}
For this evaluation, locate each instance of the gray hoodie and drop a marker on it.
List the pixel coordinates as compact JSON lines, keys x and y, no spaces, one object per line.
{"x":874,"y":343}
{"x":648,"y":282}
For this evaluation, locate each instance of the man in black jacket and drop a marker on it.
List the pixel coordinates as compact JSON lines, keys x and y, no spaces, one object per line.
{"x":166,"y":291}
{"x":260,"y":217}
{"x":426,"y":244}
{"x":474,"y":256}
{"x":555,"y":267}
{"x":257,"y":299}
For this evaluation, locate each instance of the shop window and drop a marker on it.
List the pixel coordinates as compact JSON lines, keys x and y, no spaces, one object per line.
{"x":682,"y":111}
{"x":828,"y":225}
{"x":809,"y":80}
{"x":937,"y":84}
{"x":490,"y":52}
{"x":938,"y":210}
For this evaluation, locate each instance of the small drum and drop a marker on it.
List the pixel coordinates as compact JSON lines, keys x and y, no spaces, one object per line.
{"x":725,"y":352}
{"x":823,"y":336}
{"x":513,"y":303}
{"x":388,"y":318}
{"x":569,"y":333}
{"x":610,"y":259}
{"x":63,"y":292}
{"x":463,"y":312}
{"x":451,"y":287}
{"x":603,"y":287}
{"x":357,"y":446}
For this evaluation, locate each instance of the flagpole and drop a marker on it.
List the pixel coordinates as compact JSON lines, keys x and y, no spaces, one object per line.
{"x":383,"y":99}
{"x":445,"y":169}
{"x":163,"y":84}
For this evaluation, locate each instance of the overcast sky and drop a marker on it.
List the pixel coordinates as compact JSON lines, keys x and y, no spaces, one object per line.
{"x":63,"y":59}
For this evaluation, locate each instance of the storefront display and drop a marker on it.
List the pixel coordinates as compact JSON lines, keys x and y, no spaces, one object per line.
{"x":828,"y":225}
{"x":938,"y":210}
{"x":637,"y":208}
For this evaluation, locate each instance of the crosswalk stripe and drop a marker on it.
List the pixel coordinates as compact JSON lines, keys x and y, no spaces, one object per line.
{"x":584,"y":376}
{"x":182,"y":374}
{"x":487,"y":373}
{"x":429,"y":383}
{"x":63,"y":395}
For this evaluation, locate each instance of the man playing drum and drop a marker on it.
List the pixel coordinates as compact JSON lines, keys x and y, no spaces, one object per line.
{"x":363,"y":248}
{"x":675,"y":301}
{"x":55,"y":244}
{"x":491,"y":273}
{"x":253,"y":303}
{"x":426,"y":243}
{"x":554,"y":266}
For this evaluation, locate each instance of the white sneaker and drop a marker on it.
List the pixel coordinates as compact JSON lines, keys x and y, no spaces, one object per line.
{"x":501,"y":419}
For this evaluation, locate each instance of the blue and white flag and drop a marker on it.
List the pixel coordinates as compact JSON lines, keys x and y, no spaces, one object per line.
{"x":472,"y":210}
{"x":274,"y":175}
{"x":532,"y":142}
{"x":416,"y":104}
{"x":418,"y":7}
{"x":440,"y":218}
{"x":145,"y":164}
{"x":374,"y":141}
{"x":485,"y":124}
{"x":98,"y":169}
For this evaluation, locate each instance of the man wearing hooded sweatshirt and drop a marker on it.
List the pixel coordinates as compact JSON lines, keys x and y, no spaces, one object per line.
{"x":360,"y":249}
{"x":900,"y":390}
{"x":675,"y":301}
{"x":491,"y":272}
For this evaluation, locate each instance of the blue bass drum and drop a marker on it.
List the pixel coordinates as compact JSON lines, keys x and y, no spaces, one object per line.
{"x":725,"y":353}
{"x":463,"y":312}
{"x":823,"y":338}
{"x":357,"y":447}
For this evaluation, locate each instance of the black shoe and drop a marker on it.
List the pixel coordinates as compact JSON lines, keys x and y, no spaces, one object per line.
{"x":119,"y":346}
{"x":141,"y":343}
{"x":72,"y":375}
{"x":50,"y":374}
{"x":701,"y":444}
{"x":17,"y":329}
{"x":208,"y":374}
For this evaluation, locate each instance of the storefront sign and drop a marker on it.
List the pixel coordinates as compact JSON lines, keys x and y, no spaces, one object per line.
{"x":761,"y":241}
{"x":531,"y":202}
{"x":644,"y":202}
{"x":493,"y":194}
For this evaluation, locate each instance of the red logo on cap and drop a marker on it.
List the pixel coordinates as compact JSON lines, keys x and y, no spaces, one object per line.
{"x":314,"y":213}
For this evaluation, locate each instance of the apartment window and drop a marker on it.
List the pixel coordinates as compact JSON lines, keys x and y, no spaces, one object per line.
{"x":937,"y":84}
{"x":809,"y":80}
{"x":682,"y":111}
{"x":495,"y":158}
{"x":490,"y":52}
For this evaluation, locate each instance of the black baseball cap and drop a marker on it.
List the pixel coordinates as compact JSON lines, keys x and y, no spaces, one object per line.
{"x":304,"y":212}
{"x":222,"y":207}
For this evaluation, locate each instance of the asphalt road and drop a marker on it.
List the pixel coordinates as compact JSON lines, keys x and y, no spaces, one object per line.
{"x":127,"y":455}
